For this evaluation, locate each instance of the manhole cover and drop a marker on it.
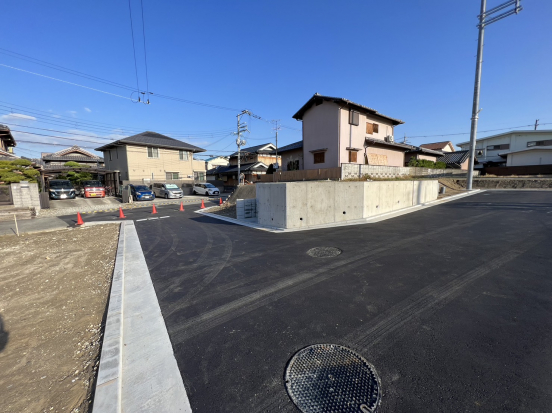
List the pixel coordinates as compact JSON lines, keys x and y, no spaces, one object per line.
{"x":324,"y":252}
{"x":331,"y":378}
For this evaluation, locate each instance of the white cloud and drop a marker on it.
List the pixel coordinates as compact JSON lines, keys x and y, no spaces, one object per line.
{"x":56,"y":116}
{"x":88,"y":110}
{"x":73,"y":113}
{"x":16,"y":116}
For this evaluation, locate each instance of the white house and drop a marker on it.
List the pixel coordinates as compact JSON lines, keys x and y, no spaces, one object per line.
{"x":515,"y":148}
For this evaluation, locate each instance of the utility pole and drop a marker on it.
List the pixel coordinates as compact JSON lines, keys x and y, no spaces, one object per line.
{"x":536,"y":124}
{"x":242,"y":128}
{"x":484,"y":20}
{"x":277,"y":128}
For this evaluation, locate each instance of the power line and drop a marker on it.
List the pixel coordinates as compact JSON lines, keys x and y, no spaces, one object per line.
{"x":467,"y":133}
{"x":63,"y":69}
{"x":133,"y":48}
{"x":145,"y":53}
{"x":67,"y":121}
{"x":65,"y":81}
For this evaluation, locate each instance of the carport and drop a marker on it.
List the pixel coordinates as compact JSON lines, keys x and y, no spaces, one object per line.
{"x":109,"y":178}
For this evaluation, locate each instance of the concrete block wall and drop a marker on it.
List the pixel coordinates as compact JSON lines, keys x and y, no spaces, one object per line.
{"x":25,"y":195}
{"x":246,"y":208}
{"x":351,"y":171}
{"x":300,"y":204}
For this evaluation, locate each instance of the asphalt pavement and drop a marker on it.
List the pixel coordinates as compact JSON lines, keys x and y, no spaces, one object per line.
{"x":452,"y":304}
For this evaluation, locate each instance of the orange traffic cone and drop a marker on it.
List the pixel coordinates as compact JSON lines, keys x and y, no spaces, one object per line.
{"x":220,"y":201}
{"x":79,"y":219}
{"x":202,"y":204}
{"x":181,"y":206}
{"x":121,"y":215}
{"x":154,"y":210}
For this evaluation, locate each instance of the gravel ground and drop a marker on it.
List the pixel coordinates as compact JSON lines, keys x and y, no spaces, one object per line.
{"x":54,"y":288}
{"x":225,"y":211}
{"x":506,"y":183}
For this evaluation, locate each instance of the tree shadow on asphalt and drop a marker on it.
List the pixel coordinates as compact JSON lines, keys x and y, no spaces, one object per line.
{"x":3,"y":335}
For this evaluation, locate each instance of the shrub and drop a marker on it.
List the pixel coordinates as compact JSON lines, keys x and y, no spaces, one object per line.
{"x":73,"y":164}
{"x":21,"y":162}
{"x":425,"y":163}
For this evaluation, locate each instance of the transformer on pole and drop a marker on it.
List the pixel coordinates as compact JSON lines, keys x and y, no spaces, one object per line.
{"x":484,"y":20}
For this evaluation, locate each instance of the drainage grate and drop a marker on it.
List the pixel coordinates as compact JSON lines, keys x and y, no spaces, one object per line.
{"x":324,"y":252}
{"x":332,"y":378}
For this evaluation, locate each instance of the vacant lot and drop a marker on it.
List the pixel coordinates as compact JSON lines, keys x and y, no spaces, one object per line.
{"x":53,"y":294}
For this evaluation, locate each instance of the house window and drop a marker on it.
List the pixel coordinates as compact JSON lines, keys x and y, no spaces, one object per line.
{"x":183,"y":155}
{"x":371,"y":128}
{"x":497,"y":147}
{"x":353,"y":118}
{"x":153,"y":152}
{"x":352,"y":156}
{"x":539,"y":143}
{"x":171,"y":176}
{"x":200,"y":176}
{"x":319,"y":157}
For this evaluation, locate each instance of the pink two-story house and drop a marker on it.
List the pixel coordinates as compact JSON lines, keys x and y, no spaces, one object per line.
{"x":337,"y":131}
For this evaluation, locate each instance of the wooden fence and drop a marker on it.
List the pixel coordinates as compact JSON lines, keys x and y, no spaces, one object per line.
{"x":333,"y":174}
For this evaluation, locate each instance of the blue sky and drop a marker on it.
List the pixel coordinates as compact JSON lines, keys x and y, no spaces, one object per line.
{"x":412,"y":60}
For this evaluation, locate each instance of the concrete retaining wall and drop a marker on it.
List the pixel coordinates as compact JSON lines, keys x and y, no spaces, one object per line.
{"x":350,"y":170}
{"x":302,"y":204}
{"x":25,"y":195}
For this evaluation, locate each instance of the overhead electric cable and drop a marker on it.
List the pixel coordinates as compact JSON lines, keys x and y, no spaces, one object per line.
{"x":133,"y":47}
{"x":65,"y":81}
{"x":482,"y":131}
{"x":63,"y":69}
{"x":145,"y":53}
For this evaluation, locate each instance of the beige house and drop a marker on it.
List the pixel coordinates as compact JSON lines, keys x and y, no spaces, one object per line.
{"x":338,"y":131}
{"x":445,"y":146}
{"x":151,"y":157}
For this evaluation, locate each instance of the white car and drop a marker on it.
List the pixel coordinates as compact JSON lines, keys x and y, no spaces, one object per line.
{"x":206,"y":189}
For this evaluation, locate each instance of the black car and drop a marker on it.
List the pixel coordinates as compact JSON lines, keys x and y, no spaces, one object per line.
{"x":61,"y":189}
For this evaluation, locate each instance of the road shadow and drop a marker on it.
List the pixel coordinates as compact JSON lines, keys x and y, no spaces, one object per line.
{"x":3,"y":335}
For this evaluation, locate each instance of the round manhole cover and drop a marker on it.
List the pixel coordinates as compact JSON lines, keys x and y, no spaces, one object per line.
{"x":324,"y":252}
{"x":331,"y":378}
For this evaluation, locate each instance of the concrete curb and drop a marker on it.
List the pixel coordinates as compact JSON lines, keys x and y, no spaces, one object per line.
{"x":138,"y":371}
{"x":107,"y":397}
{"x":371,"y":220}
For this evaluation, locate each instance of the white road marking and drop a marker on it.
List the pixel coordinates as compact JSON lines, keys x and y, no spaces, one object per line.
{"x":153,"y":218}
{"x":145,"y":219}
{"x":168,"y":216}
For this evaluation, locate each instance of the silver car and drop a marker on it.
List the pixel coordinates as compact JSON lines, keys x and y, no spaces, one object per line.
{"x":167,"y":190}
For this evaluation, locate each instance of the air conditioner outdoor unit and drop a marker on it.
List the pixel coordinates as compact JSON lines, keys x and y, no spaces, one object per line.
{"x":389,"y":138}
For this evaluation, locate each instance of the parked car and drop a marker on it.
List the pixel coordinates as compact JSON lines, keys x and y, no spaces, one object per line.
{"x":141,"y":193}
{"x":92,"y":189}
{"x":167,"y":190}
{"x":61,"y":189}
{"x":206,"y":189}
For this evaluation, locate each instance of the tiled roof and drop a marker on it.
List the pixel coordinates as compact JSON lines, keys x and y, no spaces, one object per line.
{"x":437,"y":145}
{"x":256,"y":149}
{"x":6,"y":135}
{"x":152,"y":139}
{"x":397,"y":145}
{"x":342,"y":102}
{"x":76,"y":158}
{"x":73,"y":148}
{"x":425,"y":150}
{"x":454,"y":158}
{"x":291,"y":147}
{"x":234,"y":168}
